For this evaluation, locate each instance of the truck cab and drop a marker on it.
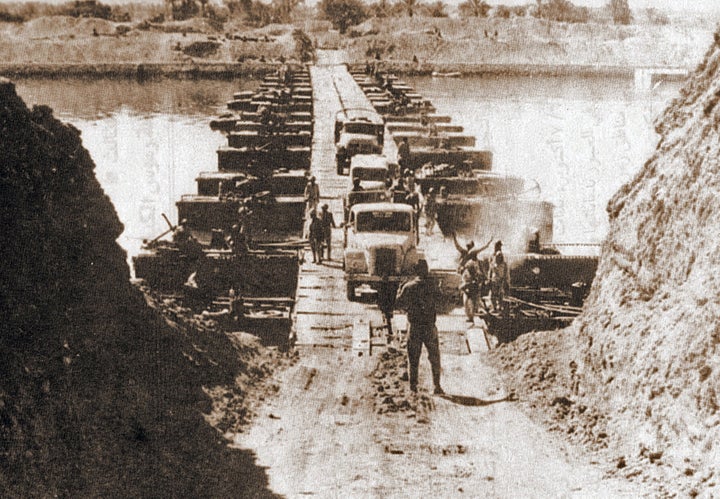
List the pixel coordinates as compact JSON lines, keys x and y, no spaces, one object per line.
{"x":380,"y":240}
{"x":357,"y":131}
{"x":372,"y":171}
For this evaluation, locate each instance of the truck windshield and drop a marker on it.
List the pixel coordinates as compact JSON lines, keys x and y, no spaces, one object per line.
{"x":363,"y":173}
{"x":383,"y":221}
{"x":361,"y":128}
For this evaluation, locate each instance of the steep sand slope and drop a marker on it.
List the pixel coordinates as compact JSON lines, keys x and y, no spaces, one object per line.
{"x":650,"y":331}
{"x":639,"y":371}
{"x":100,"y":395}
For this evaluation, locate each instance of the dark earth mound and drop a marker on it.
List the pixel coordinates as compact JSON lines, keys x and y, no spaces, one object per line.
{"x":101,"y":395}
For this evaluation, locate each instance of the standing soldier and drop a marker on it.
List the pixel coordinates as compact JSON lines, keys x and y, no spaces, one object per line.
{"x":312,"y":195}
{"x":419,"y":298}
{"x":316,"y":237}
{"x":403,"y":153}
{"x":499,"y":276}
{"x":386,"y":294}
{"x":472,"y":281}
{"x":413,"y":199}
{"x":430,"y":211}
{"x":328,"y":223}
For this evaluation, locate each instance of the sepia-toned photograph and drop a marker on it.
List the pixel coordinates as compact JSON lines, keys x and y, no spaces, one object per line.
{"x":359,"y":248}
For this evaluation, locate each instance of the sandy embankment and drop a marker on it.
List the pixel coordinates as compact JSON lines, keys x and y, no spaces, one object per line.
{"x":67,"y":47}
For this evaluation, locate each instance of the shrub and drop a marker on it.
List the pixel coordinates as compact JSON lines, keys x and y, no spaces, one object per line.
{"x":201,"y":48}
{"x":474,"y":8}
{"x":437,"y":9}
{"x":184,"y":9}
{"x":216,"y":18}
{"x":7,"y":17}
{"x":408,"y":6}
{"x":561,"y":11}
{"x":122,"y":29}
{"x":620,"y":11}
{"x":89,"y":8}
{"x":343,"y":13}
{"x":119,"y":16}
{"x":382,"y":8}
{"x":508,"y":11}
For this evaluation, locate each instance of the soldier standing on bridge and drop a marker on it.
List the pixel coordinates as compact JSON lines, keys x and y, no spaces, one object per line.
{"x":328,"y":223}
{"x":499,"y":276}
{"x":316,"y":237}
{"x":419,"y":298}
{"x":430,"y":211}
{"x":473,"y":280}
{"x":404,"y":154}
{"x":312,"y":195}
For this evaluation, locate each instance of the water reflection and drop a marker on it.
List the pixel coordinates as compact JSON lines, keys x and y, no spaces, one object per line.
{"x":149,"y":141}
{"x":581,"y":138}
{"x":78,"y":99}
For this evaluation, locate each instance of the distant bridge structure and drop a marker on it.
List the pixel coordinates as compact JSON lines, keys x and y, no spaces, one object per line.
{"x":646,"y":77}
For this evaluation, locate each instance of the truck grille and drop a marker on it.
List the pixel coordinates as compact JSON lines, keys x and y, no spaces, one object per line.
{"x":385,"y":261}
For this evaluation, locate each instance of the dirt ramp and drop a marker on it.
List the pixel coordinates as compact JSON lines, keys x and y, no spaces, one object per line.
{"x":100,"y":394}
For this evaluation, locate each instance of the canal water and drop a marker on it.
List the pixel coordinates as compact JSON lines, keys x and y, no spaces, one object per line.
{"x":581,"y":138}
{"x":148,"y":140}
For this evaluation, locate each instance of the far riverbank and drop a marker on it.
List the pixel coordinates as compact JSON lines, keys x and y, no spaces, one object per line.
{"x":254,"y":69}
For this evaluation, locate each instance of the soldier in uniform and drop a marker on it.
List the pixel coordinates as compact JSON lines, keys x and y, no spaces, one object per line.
{"x":328,"y":223}
{"x":419,"y":297}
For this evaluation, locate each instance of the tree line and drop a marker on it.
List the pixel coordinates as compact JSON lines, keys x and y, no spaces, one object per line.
{"x":341,"y":13}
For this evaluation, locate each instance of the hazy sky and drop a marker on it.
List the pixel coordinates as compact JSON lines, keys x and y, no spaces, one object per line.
{"x":700,"y":5}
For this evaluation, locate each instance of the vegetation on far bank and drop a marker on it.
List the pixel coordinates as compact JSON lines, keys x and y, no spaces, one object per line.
{"x":426,"y":34}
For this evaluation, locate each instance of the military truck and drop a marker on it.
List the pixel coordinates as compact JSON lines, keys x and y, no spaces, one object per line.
{"x":357,"y":131}
{"x":380,"y":240}
{"x":372,"y":170}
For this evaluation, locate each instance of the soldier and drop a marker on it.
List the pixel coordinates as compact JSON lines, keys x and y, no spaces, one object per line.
{"x":386,"y":294}
{"x":498,"y":247}
{"x":413,"y":199}
{"x":533,"y":245}
{"x":328,"y":223}
{"x":404,"y":153}
{"x":237,"y":239}
{"x":472,"y":282}
{"x":469,"y":252}
{"x":356,"y":185}
{"x":312,"y":195}
{"x":316,"y":237}
{"x":499,"y":281}
{"x":430,"y":211}
{"x":186,"y":243}
{"x":419,"y":298}
{"x":399,"y":192}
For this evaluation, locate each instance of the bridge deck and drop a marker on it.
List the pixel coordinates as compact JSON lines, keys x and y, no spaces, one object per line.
{"x":324,"y":317}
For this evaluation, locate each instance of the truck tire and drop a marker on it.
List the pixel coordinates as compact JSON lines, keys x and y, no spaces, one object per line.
{"x":350,"y":291}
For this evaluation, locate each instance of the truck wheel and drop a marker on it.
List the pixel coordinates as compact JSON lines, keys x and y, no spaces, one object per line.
{"x":351,"y":291}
